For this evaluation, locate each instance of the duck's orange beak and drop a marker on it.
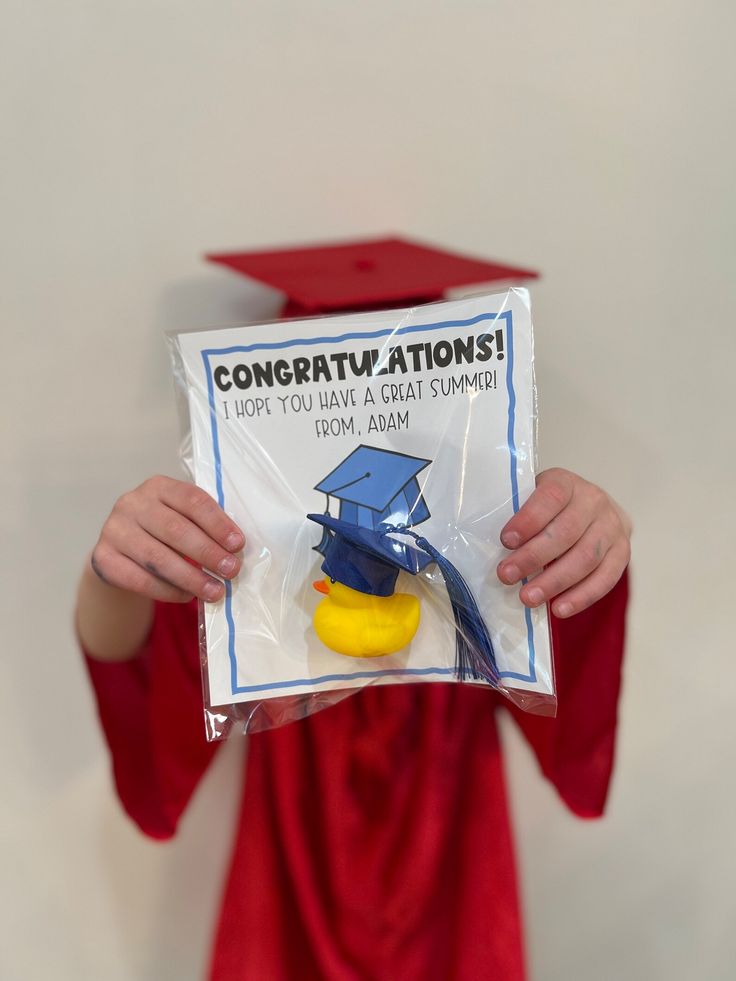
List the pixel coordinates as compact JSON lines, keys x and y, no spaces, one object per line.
{"x":321,"y":586}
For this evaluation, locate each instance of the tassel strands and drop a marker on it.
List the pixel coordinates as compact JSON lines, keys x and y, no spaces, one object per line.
{"x":475,"y":658}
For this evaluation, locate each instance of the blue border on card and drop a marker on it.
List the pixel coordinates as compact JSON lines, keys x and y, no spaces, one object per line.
{"x":207,"y":353}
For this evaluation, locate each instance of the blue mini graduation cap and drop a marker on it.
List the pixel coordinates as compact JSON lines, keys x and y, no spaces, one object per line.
{"x":372,"y":540}
{"x":377,"y":487}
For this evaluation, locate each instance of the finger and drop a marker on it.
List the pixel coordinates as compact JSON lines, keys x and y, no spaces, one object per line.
{"x":202,"y":510}
{"x":553,"y":494}
{"x":161,"y":561}
{"x":568,"y":570}
{"x":553,"y":541}
{"x":594,"y":586}
{"x":118,"y":570}
{"x":180,"y":534}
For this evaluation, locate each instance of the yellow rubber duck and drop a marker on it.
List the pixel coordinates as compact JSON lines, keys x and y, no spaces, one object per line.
{"x":361,"y":625}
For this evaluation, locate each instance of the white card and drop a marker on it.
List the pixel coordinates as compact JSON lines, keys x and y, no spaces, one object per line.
{"x":274,"y":408}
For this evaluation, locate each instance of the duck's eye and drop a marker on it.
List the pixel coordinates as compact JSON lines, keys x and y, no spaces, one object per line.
{"x":332,"y":581}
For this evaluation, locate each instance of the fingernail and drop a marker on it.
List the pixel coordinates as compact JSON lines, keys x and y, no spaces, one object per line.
{"x":510,"y":574}
{"x":510,"y":539}
{"x":227,"y":566}
{"x":535,"y":595}
{"x":212,"y":590}
{"x":233,"y":541}
{"x":563,"y":609}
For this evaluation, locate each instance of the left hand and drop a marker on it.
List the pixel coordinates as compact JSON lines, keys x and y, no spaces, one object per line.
{"x":572,"y":537}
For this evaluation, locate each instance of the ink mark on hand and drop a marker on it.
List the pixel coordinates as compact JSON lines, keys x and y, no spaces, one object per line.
{"x":154,"y":571}
{"x":97,"y":571}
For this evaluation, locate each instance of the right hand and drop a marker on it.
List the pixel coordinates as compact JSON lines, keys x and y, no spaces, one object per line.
{"x":152,"y":531}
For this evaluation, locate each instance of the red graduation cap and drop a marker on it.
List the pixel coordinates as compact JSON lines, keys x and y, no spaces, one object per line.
{"x":372,"y":273}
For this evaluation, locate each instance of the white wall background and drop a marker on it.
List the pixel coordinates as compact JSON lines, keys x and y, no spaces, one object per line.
{"x":595,"y":141}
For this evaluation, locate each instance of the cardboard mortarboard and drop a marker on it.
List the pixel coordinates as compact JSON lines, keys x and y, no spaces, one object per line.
{"x":371,"y":273}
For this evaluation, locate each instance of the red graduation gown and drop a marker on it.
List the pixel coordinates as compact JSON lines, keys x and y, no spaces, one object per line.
{"x":373,"y":841}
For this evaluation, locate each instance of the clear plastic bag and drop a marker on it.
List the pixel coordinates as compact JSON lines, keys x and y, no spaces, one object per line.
{"x":371,"y":460}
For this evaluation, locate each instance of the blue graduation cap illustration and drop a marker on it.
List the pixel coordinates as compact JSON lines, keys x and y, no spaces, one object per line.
{"x":366,"y":547}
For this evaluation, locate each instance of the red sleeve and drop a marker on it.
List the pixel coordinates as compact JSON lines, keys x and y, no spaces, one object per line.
{"x":151,"y":712}
{"x":576,"y":749}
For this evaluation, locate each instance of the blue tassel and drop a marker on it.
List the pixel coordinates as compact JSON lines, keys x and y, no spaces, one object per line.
{"x":474,"y":655}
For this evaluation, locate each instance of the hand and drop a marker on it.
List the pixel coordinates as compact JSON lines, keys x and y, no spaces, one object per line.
{"x":152,"y":530}
{"x":574,"y":536}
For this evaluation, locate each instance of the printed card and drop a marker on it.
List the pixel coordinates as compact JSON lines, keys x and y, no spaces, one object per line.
{"x":371,"y":461}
